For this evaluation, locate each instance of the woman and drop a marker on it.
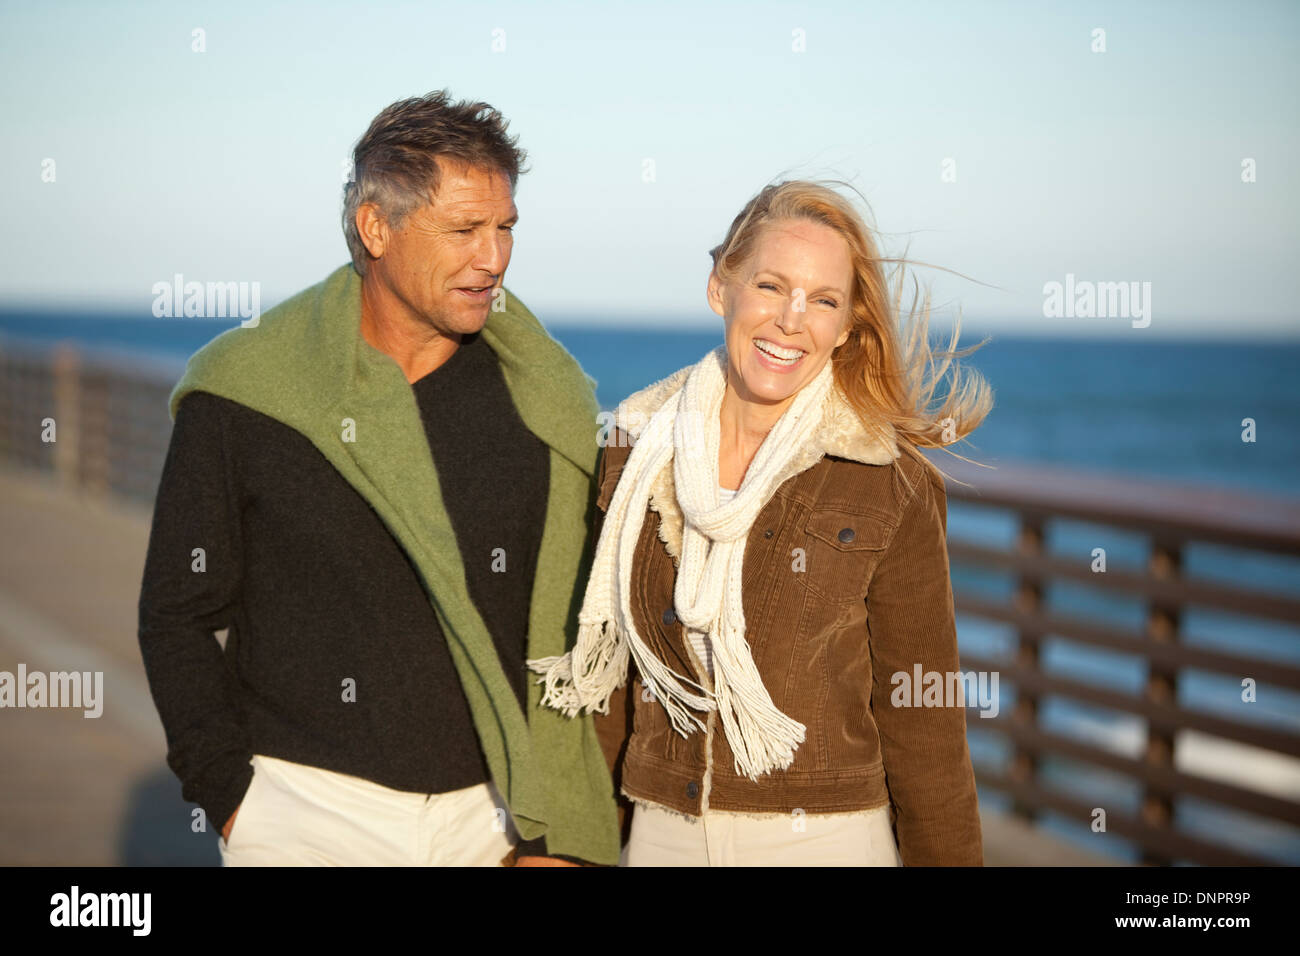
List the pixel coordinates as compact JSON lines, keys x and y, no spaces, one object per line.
{"x":772,"y":561}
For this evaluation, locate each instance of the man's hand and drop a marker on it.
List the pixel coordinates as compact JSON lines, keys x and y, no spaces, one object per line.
{"x":225,"y":831}
{"x":542,"y":861}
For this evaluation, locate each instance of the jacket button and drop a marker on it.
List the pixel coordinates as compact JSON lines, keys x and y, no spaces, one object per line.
{"x":767,"y":533}
{"x":692,"y":789}
{"x":670,"y":617}
{"x":847,"y":535}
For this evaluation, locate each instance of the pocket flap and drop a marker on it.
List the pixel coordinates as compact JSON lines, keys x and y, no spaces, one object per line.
{"x":850,"y":531}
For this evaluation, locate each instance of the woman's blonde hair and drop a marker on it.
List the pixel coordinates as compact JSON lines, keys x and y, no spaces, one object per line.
{"x":886,"y":368}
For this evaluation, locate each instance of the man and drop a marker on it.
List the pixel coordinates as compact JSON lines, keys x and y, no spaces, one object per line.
{"x":384,"y":491}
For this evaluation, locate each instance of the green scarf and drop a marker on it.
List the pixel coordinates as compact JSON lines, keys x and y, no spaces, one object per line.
{"x":307,"y":365}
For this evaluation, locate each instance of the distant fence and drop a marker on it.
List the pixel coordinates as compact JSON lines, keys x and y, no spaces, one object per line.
{"x":1172,"y":519}
{"x":110,"y":420}
{"x":97,"y":421}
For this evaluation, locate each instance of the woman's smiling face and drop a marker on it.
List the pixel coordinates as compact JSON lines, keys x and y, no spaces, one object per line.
{"x":786,"y":310}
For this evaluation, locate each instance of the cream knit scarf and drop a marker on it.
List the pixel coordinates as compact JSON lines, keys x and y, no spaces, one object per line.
{"x":685,"y":433}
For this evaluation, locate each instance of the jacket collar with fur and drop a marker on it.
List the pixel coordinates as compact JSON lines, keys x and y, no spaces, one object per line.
{"x":840,"y":433}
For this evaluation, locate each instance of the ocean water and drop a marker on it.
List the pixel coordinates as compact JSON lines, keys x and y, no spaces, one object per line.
{"x":1170,"y":411}
{"x":1161,"y":409}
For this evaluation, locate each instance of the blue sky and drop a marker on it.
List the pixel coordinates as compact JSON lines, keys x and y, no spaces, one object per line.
{"x":1115,"y":166}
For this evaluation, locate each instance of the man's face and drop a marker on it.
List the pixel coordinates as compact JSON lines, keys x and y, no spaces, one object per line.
{"x":446,"y":258}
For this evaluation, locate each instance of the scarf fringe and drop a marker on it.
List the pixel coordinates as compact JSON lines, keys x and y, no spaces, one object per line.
{"x":587,"y":681}
{"x":762,"y":738}
{"x":558,"y":677}
{"x":601,"y":670}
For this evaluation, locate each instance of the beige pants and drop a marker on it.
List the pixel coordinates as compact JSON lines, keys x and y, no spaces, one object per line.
{"x":663,"y":838}
{"x":296,"y":815}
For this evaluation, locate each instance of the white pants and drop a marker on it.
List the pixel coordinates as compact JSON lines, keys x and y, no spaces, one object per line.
{"x":663,"y":838}
{"x":296,"y":815}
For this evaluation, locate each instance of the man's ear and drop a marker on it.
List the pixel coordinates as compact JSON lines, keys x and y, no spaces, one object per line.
{"x":714,"y":293}
{"x":373,"y":229}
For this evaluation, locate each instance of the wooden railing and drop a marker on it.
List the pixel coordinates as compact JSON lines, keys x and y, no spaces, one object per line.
{"x":1171,"y":519}
{"x":97,"y":421}
{"x":112,"y":430}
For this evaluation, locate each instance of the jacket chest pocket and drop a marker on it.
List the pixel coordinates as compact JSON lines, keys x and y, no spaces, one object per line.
{"x":842,"y":549}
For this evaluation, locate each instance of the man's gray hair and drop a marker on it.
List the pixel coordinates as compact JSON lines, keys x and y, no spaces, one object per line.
{"x":395,"y":163}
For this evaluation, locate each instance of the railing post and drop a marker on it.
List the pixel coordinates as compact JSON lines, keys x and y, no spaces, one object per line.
{"x":97,"y":433}
{"x":66,"y":387}
{"x":10,"y":428}
{"x":1162,"y":626}
{"x":1029,"y":600}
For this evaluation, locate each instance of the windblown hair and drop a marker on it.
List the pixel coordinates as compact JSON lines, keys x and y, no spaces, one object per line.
{"x":886,"y":369}
{"x":395,"y":163}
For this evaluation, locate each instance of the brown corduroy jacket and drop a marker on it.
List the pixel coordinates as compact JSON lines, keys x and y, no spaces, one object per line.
{"x":845,"y":585}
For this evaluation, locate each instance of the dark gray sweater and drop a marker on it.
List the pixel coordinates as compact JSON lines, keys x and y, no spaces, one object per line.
{"x":316,"y":593}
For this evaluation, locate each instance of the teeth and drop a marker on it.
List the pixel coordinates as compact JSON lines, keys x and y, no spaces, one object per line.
{"x":784,"y":356}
